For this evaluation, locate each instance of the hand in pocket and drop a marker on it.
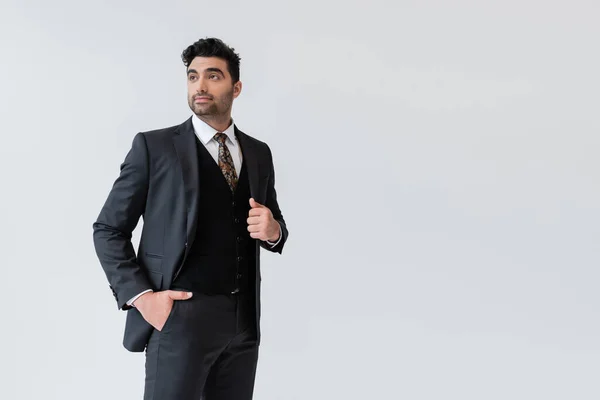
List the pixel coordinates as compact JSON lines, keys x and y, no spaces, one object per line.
{"x":155,"y":307}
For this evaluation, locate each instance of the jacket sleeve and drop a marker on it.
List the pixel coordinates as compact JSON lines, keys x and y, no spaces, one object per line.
{"x":271,"y":203}
{"x":118,"y":218}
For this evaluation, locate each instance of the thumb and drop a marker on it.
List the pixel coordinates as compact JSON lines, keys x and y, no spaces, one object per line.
{"x":255,"y":204}
{"x":179,"y":295}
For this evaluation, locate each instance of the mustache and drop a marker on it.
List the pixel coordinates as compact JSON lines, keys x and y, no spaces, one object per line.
{"x":202,"y":95}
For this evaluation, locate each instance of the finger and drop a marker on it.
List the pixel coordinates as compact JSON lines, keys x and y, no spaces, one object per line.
{"x":253,"y":228}
{"x":255,"y":204}
{"x":256,"y":235}
{"x":253,"y":220}
{"x":256,"y":212}
{"x":179,"y":295}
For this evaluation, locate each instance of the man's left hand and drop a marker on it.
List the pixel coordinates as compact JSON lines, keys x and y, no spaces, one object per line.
{"x":261,"y":223}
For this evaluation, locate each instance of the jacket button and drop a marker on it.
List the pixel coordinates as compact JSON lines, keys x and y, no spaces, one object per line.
{"x":236,"y":220}
{"x":240,"y":258}
{"x":239,"y":239}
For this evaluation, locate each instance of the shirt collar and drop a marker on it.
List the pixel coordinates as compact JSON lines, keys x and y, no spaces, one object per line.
{"x":206,"y":132}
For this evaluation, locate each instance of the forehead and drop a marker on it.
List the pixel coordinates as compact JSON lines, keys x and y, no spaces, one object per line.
{"x":202,"y":63}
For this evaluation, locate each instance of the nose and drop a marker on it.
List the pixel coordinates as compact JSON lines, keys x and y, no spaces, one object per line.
{"x":201,"y":86}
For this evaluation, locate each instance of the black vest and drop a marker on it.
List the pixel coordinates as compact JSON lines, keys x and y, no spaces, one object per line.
{"x":222,"y":256}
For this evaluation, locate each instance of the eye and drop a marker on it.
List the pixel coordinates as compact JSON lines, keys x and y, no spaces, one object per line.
{"x":192,"y":77}
{"x":214,"y":76}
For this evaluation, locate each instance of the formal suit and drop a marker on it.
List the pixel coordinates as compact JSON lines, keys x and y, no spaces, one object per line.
{"x":160,"y":181}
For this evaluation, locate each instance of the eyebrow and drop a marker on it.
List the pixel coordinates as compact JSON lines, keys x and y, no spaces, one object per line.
{"x":210,"y":69}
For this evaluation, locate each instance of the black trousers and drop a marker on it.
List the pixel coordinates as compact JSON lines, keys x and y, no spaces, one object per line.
{"x":207,"y":350}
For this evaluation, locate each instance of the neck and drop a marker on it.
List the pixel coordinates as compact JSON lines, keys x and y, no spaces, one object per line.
{"x":218,"y":122}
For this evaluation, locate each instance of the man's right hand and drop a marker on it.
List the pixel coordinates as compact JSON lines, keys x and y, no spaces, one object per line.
{"x":155,"y":307}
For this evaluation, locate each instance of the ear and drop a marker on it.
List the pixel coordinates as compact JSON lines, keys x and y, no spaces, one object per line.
{"x":237,"y":89}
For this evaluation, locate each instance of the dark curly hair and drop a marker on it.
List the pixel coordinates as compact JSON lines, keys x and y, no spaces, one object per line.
{"x":213,"y":47}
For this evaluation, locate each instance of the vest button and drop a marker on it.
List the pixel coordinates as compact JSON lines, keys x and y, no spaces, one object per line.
{"x":239,"y":276}
{"x":233,"y":204}
{"x":239,"y":239}
{"x":240,"y":258}
{"x":237,"y":220}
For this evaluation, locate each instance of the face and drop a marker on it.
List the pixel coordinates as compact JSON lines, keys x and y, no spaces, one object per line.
{"x":210,"y":88}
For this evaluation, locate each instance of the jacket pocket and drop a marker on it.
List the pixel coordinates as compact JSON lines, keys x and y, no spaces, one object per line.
{"x":153,"y":255}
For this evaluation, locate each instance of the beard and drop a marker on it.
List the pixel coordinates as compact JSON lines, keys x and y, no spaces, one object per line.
{"x":217,"y":107}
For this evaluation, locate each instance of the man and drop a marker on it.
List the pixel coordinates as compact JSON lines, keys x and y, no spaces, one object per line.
{"x":206,"y":192}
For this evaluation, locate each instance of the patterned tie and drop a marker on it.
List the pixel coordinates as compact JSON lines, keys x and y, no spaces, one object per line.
{"x":225,"y":161}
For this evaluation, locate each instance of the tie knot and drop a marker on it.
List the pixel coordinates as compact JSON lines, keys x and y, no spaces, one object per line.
{"x":220,"y":137}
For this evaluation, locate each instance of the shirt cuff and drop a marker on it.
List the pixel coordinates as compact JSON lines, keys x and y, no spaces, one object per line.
{"x":134,"y":298}
{"x":273,"y":244}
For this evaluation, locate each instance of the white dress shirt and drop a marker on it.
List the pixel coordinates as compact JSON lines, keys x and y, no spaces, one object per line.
{"x":206,"y":135}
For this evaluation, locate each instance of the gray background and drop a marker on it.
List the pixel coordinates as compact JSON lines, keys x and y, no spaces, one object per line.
{"x":436,"y":162}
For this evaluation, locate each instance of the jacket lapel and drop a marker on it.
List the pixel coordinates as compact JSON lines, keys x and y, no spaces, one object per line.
{"x":185,"y":145}
{"x":250,"y":159}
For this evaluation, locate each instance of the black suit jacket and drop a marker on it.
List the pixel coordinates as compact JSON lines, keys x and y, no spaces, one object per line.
{"x":158,"y":181}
